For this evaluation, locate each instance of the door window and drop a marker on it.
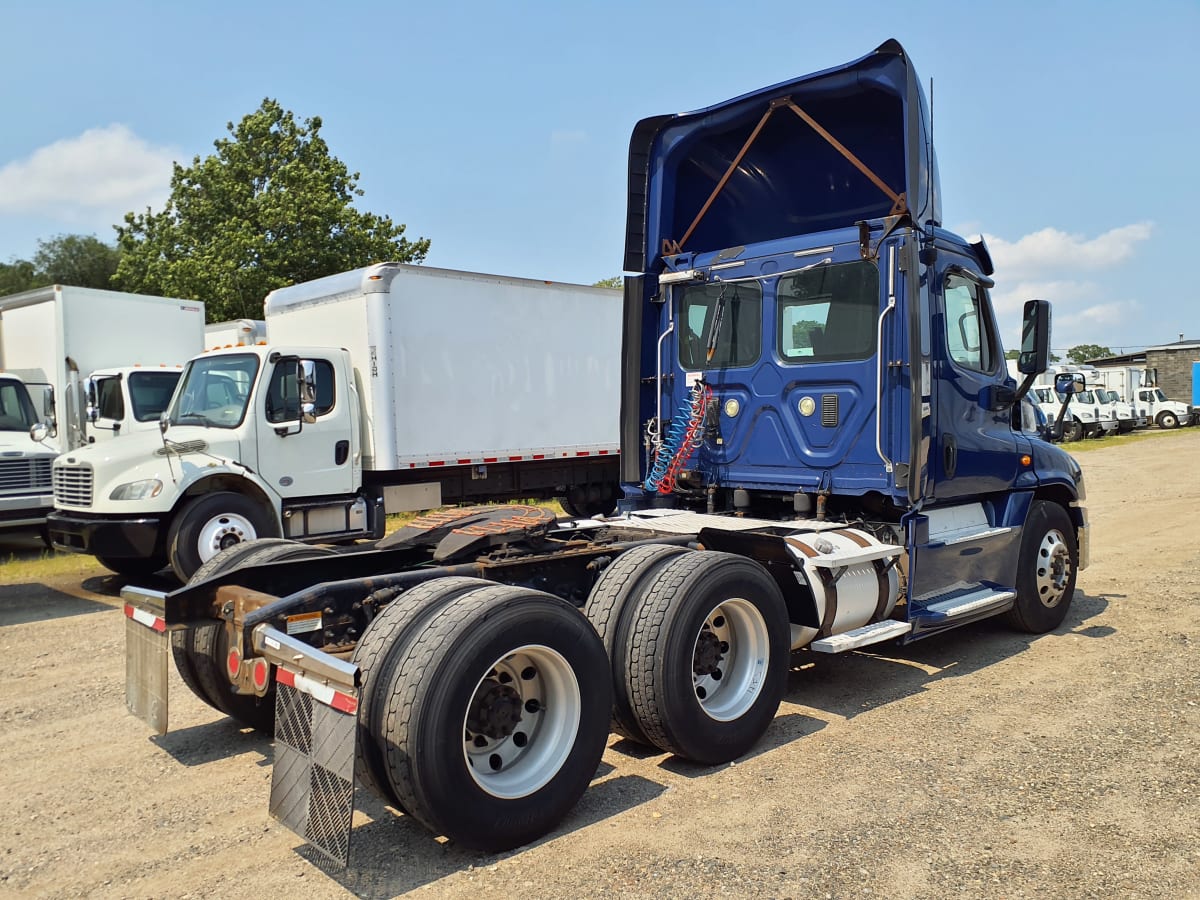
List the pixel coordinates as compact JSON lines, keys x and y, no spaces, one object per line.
{"x":969,"y":337}
{"x":283,"y":393}
{"x":109,"y":402}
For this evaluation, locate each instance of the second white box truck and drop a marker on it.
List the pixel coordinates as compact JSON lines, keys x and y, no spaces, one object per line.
{"x":388,"y":388}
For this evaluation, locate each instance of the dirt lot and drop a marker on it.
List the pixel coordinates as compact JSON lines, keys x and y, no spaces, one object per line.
{"x":982,"y":763}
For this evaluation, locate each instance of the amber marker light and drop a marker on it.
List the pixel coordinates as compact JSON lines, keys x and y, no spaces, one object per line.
{"x":1027,"y":460}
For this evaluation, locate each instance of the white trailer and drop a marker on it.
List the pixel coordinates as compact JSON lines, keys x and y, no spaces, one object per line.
{"x":385,"y":389}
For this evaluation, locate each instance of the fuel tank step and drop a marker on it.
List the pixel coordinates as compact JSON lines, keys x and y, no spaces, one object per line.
{"x":874,"y":633}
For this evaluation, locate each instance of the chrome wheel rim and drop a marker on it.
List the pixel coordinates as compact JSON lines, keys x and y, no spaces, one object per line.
{"x":1053,"y":568}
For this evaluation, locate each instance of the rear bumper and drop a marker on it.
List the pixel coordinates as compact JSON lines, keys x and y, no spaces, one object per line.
{"x":111,"y":537}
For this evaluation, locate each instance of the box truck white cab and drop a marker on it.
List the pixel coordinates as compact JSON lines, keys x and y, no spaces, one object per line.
{"x":233,"y":333}
{"x":388,"y":388}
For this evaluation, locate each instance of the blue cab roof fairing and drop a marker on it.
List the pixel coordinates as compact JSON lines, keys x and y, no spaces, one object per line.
{"x":790,"y":180}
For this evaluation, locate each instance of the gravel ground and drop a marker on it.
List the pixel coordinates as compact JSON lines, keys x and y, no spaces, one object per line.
{"x":982,"y":763}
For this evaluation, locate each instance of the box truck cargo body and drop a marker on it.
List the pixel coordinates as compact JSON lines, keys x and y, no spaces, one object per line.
{"x":385,"y":389}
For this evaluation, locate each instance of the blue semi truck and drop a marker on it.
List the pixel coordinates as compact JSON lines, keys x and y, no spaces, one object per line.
{"x":821,"y":450}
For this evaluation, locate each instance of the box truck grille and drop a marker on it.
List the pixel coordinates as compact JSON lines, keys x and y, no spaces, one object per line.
{"x":25,"y":474}
{"x":73,"y":485}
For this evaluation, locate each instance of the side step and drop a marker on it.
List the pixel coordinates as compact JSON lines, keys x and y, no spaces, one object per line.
{"x":966,"y":600}
{"x":875,"y":633}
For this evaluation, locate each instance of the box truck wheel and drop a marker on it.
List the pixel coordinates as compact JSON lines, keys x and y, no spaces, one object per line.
{"x":382,"y":642}
{"x":609,"y":604}
{"x":200,"y":652}
{"x":1168,"y":419}
{"x":1072,"y":430}
{"x":212,"y":523}
{"x":708,"y":650}
{"x":497,"y":717}
{"x":1046,"y":569}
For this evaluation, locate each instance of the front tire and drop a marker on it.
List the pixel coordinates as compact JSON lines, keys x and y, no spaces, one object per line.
{"x":497,"y":717}
{"x":707,"y":655}
{"x":212,"y":523}
{"x":1168,"y":420}
{"x":1072,"y":431}
{"x":1046,"y":570}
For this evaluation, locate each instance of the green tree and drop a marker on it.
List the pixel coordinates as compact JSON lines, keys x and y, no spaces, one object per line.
{"x":76,"y":259}
{"x":616,"y":281}
{"x":270,"y":208}
{"x":17,"y":275}
{"x":1081,"y":353}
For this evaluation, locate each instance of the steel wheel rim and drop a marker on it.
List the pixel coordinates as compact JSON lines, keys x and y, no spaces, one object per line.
{"x":221,"y":532}
{"x":510,"y":758}
{"x":729,"y":659}
{"x":1053,"y":568}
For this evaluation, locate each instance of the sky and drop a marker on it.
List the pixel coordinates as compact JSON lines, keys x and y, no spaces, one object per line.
{"x":1066,"y":132}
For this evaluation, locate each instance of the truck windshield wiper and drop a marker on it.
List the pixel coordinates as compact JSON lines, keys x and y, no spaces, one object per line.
{"x":192,"y":417}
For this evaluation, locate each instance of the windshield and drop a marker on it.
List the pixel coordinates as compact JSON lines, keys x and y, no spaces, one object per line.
{"x":16,"y":409}
{"x":214,"y":391}
{"x":1159,"y":395}
{"x":150,"y":392}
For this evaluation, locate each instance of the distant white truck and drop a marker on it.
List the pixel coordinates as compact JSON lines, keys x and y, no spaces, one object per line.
{"x":1137,"y":387}
{"x":234,"y":332}
{"x":388,"y":388}
{"x":1087,"y":415}
{"x":96,"y":364}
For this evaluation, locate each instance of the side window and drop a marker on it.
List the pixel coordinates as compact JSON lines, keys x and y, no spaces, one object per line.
{"x":109,"y":401}
{"x":283,"y":392}
{"x":727,"y":315}
{"x":968,"y":330}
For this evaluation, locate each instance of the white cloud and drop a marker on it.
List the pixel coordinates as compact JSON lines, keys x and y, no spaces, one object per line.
{"x":1052,"y":251}
{"x":95,"y":177}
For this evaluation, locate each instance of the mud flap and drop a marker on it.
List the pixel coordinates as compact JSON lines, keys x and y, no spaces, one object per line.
{"x":146,"y":667}
{"x":312,"y":781}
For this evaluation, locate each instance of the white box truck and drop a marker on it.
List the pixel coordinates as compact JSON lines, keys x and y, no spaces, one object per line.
{"x":1137,"y":387}
{"x":389,"y":388}
{"x":97,"y":364}
{"x":25,"y":489}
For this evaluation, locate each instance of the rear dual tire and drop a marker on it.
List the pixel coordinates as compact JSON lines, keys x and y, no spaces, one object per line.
{"x":488,"y":712}
{"x":699,"y":649}
{"x":200,"y":652}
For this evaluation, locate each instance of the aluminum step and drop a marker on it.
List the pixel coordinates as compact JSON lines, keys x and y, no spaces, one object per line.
{"x":968,"y":600}
{"x":874,"y":633}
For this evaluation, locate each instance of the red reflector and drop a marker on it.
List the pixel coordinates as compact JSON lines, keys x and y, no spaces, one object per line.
{"x":464,"y":462}
{"x":262,"y":673}
{"x":437,"y":462}
{"x":233,"y":663}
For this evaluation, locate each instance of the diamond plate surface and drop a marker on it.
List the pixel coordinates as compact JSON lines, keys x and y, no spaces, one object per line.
{"x":146,"y":674}
{"x":312,"y":781}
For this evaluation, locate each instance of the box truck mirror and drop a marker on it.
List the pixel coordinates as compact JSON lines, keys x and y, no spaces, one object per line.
{"x":93,"y":407}
{"x":306,"y":377}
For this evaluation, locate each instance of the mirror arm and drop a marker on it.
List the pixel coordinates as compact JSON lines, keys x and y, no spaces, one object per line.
{"x":1024,"y":386}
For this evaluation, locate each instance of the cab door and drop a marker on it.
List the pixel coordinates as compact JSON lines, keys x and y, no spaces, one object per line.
{"x":975,"y":448}
{"x":306,"y":459}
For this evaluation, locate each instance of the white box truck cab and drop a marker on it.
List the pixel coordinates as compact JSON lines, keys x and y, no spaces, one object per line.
{"x":1087,"y":416}
{"x":429,"y":386}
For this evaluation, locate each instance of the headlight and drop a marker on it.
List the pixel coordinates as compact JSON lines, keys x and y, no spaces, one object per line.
{"x":137,"y":490}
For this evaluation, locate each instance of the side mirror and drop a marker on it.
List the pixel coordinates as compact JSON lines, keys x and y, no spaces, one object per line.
{"x":164,"y":422}
{"x":39,"y":432}
{"x":1035,"y":338}
{"x":1069,"y":383}
{"x":306,"y":377}
{"x":93,"y":407}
